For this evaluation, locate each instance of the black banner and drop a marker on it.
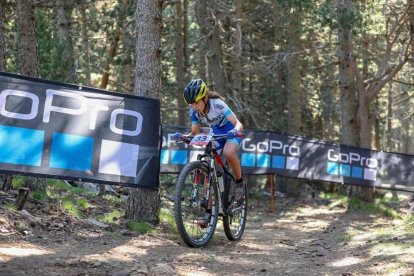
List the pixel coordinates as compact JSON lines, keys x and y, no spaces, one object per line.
{"x":66,"y":131}
{"x":299,"y":157}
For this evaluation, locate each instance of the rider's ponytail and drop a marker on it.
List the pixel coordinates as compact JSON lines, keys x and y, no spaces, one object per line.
{"x":211,"y":94}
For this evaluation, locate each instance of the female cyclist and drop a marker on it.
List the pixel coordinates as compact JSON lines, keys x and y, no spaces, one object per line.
{"x":208,"y":108}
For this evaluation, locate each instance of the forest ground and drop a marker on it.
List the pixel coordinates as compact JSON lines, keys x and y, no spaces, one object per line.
{"x":303,"y":237}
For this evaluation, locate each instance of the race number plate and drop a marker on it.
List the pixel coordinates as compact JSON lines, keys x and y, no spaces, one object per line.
{"x":200,"y":140}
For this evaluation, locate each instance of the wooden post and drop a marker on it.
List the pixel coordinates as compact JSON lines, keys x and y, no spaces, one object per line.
{"x":21,"y":198}
{"x":272,"y":193}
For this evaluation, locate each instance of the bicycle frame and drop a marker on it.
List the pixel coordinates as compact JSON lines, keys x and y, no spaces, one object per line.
{"x":196,"y":212}
{"x":213,"y":159}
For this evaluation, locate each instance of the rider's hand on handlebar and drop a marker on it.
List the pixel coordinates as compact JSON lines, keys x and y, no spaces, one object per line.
{"x":177,"y":136}
{"x":232,"y":133}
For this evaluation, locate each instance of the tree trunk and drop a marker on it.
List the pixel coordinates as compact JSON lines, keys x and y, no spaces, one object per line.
{"x":206,"y":20}
{"x":2,"y":35}
{"x":144,"y":204}
{"x":294,"y":85}
{"x":390,"y":114}
{"x":278,"y":80}
{"x":347,"y":89}
{"x":85,"y":44}
{"x":114,"y":39}
{"x":28,"y":58}
{"x":238,"y":48}
{"x":180,"y":60}
{"x":6,"y":180}
{"x":410,"y":4}
{"x":65,"y":46}
{"x":110,"y":56}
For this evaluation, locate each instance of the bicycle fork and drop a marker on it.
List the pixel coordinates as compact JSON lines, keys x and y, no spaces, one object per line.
{"x":215,"y":180}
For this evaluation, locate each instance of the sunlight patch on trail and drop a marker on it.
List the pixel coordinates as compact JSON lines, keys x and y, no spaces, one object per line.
{"x":22,"y":252}
{"x":347,"y":261}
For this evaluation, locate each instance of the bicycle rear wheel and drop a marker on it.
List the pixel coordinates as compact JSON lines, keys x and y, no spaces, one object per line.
{"x":192,"y":205}
{"x":234,"y":219}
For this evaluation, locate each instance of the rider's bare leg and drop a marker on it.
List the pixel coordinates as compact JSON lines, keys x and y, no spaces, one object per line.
{"x":230,"y":153}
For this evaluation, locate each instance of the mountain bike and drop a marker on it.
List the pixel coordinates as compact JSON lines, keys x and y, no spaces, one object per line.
{"x":206,"y":189}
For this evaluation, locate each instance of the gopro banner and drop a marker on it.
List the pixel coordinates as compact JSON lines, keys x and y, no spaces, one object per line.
{"x":299,"y":157}
{"x":66,"y":131}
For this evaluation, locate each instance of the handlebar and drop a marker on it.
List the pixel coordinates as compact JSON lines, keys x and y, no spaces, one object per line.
{"x":187,"y":139}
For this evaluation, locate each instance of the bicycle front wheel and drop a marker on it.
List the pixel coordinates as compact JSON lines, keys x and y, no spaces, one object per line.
{"x":195,"y":212}
{"x":234,"y":219}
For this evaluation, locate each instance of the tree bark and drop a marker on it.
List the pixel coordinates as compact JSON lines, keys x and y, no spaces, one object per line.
{"x":279,"y":68}
{"x":347,"y":89}
{"x":144,"y":204}
{"x":181,"y":62}
{"x":2,"y":36}
{"x":85,"y":44}
{"x":110,"y":56}
{"x":28,"y":58}
{"x":6,"y":182}
{"x":294,"y":84}
{"x":115,"y":41}
{"x":205,"y":14}
{"x":238,"y":48}
{"x":64,"y":32}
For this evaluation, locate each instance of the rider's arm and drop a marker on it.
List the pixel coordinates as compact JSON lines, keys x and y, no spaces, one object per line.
{"x":195,"y":123}
{"x":237,"y":124}
{"x":225,"y":109}
{"x":195,"y":129}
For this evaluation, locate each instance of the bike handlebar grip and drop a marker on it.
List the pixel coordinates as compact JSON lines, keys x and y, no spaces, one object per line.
{"x":177,"y":136}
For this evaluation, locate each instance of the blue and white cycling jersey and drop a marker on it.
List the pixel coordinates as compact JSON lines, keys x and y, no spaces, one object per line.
{"x":217,"y":119}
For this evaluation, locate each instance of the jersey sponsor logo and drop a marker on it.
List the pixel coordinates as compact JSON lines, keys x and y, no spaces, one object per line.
{"x":219,"y":106}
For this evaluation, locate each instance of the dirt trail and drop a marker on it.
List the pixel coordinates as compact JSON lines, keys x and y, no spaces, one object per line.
{"x":303,"y":238}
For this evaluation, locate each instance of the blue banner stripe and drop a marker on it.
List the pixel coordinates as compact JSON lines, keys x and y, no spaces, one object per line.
{"x":278,"y":162}
{"x":164,"y":157}
{"x":345,"y":170}
{"x":21,"y":146}
{"x":332,"y":168}
{"x":178,"y":157}
{"x":248,"y":159}
{"x":71,"y":152}
{"x":263,"y":160}
{"x":357,"y":172}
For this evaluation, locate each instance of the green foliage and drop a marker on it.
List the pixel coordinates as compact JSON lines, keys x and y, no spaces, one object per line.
{"x":39,"y":195}
{"x":378,"y":207}
{"x":345,"y":237}
{"x":301,"y":4}
{"x":335,"y":16}
{"x":75,"y":206}
{"x":113,"y":199}
{"x":409,"y":223}
{"x":83,"y":203}
{"x":112,"y":217}
{"x":167,"y":217}
{"x":69,"y":205}
{"x":140,"y":227}
{"x":58,"y":187}
{"x":18,"y":181}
